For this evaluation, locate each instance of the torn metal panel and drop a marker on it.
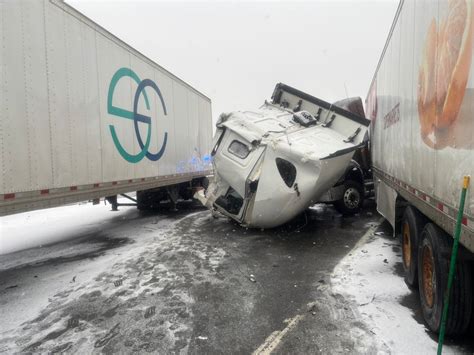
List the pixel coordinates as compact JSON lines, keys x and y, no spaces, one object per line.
{"x":272,"y":163}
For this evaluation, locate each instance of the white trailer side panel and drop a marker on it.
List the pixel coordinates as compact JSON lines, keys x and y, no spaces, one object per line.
{"x":425,"y":160}
{"x":166,"y":123}
{"x":91,"y":105}
{"x":83,"y":111}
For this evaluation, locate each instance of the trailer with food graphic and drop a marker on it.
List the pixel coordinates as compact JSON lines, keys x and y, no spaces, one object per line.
{"x":84,"y":116}
{"x":421,"y":104}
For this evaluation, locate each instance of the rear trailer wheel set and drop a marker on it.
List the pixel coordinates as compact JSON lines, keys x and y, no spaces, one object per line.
{"x":426,"y":251}
{"x":412,"y":225}
{"x":152,"y":199}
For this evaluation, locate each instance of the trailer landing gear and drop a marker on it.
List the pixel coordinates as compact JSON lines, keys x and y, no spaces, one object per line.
{"x":173,"y":196}
{"x":113,"y":201}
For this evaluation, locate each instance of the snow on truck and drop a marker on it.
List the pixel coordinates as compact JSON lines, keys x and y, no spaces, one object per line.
{"x":84,"y":116}
{"x":272,"y":163}
{"x":421,"y":103}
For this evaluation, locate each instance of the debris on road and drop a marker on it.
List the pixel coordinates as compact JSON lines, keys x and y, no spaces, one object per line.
{"x":368,"y":302}
{"x":149,"y":312}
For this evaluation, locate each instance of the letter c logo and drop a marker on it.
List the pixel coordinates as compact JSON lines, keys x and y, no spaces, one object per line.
{"x":135,"y":116}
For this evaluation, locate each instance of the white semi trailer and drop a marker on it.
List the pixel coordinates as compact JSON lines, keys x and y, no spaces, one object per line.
{"x":421,"y":103}
{"x":83,"y":115}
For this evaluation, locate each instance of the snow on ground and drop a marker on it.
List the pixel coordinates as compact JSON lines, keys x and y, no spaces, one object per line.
{"x":368,"y":276}
{"x":121,"y":262}
{"x":42,"y":227}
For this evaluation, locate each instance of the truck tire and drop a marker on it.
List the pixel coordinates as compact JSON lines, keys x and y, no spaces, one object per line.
{"x":143,"y":201}
{"x":352,"y":198}
{"x":412,"y":226}
{"x":147,"y":201}
{"x":433,"y":267}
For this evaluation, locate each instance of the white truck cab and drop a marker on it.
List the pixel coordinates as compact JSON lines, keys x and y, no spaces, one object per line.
{"x":272,"y":163}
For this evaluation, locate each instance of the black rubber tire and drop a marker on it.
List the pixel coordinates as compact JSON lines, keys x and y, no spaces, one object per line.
{"x":412,"y":225}
{"x":460,"y":304}
{"x":145,"y":201}
{"x":345,"y":208}
{"x":144,"y":207}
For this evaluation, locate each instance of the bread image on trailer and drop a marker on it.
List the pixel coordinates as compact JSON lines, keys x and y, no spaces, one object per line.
{"x":272,"y":163}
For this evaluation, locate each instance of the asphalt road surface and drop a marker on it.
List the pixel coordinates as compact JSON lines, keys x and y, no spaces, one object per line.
{"x":185,"y":282}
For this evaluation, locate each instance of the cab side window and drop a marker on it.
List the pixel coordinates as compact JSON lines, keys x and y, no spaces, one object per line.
{"x":239,"y":149}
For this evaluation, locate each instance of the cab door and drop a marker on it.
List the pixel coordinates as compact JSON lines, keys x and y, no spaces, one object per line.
{"x":234,"y":160}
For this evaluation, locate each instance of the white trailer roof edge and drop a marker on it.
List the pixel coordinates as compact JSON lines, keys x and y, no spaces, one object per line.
{"x":389,"y":37}
{"x":86,"y":20}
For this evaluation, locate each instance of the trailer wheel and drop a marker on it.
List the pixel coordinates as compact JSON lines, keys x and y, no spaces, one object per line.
{"x":352,"y":198}
{"x":143,"y":201}
{"x":412,"y":226}
{"x":433,"y":267}
{"x":149,"y":200}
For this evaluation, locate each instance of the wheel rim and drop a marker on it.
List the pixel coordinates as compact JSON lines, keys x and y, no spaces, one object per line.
{"x":351,"y":197}
{"x":428,"y":276}
{"x":406,"y":245}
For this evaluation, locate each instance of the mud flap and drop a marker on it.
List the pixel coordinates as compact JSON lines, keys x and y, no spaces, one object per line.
{"x":386,"y":201}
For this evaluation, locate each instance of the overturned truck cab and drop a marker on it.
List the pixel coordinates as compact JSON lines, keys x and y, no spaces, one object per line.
{"x":272,"y":163}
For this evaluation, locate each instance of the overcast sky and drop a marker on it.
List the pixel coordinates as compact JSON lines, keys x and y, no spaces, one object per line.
{"x":235,"y":52}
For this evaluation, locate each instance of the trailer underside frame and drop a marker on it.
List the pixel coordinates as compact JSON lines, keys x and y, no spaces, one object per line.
{"x":11,"y":203}
{"x":443,"y":214}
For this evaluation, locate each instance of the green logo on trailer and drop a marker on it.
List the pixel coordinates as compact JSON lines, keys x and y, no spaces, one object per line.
{"x":135,"y":116}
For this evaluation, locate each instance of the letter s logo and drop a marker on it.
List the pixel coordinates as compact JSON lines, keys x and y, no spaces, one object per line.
{"x":135,"y":116}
